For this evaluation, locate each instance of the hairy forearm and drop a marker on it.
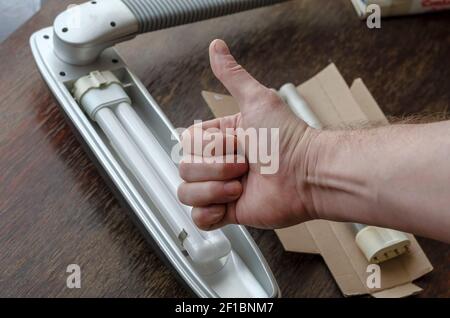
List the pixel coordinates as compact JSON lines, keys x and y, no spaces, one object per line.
{"x":396,"y":176}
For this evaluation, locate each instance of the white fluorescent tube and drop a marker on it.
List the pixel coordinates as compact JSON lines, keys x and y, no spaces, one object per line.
{"x":299,"y":106}
{"x":201,"y":250}
{"x":166,"y":170}
{"x":100,"y":93}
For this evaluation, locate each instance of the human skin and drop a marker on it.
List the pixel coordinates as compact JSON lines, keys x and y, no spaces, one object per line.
{"x":396,"y":176}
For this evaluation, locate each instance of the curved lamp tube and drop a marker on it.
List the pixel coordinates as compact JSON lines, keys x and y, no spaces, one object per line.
{"x":103,"y":98}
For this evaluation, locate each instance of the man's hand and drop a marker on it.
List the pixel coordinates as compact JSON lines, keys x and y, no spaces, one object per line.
{"x":237,"y":193}
{"x":395,"y":176}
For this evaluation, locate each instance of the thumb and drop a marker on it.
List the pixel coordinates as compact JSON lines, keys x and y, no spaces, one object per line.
{"x":233,"y":76}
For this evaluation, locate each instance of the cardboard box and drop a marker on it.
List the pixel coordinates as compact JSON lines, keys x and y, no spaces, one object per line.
{"x":336,"y":104}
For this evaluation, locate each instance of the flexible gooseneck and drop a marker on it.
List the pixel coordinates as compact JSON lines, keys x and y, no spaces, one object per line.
{"x":161,"y":14}
{"x":83,"y":32}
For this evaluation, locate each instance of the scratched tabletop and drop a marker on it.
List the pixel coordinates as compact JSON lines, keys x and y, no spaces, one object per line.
{"x":55,"y":208}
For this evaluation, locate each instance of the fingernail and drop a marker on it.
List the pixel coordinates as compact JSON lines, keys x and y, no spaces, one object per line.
{"x":221,"y":48}
{"x":216,"y":214}
{"x":233,"y":188}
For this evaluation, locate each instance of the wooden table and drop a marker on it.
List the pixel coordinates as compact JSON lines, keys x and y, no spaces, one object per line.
{"x":56,"y":210}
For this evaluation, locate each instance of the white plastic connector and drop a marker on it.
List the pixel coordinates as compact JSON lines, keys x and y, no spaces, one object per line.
{"x":379,"y":245}
{"x":103,"y":98}
{"x":99,"y":90}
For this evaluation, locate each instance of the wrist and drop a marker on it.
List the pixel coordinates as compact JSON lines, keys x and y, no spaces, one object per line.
{"x":308,"y":151}
{"x":337,"y":180}
{"x":326,"y":174}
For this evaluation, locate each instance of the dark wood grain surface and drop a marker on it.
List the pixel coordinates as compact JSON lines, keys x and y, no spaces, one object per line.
{"x":56,"y":210}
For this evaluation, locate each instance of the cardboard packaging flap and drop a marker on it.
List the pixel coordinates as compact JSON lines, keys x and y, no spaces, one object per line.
{"x":335,"y":104}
